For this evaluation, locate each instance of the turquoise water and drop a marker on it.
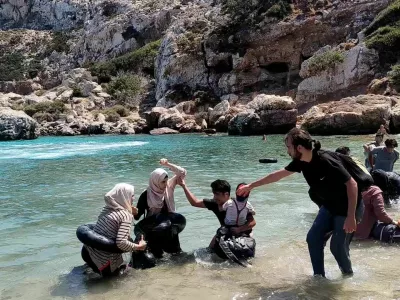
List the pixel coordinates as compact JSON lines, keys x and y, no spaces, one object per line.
{"x":52,"y":185}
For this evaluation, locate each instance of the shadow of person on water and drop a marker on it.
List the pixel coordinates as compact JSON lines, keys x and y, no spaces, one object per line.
{"x":82,"y":280}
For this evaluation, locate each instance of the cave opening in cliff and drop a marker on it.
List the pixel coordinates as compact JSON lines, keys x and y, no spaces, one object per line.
{"x":277,"y":67}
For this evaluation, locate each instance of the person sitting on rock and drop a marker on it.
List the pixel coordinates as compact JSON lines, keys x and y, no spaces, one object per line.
{"x":370,"y":146}
{"x":384,"y":157}
{"x":376,"y":223}
{"x":114,"y":222}
{"x":161,"y":223}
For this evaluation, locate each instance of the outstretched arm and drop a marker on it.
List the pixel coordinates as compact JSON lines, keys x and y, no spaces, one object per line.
{"x":178,"y":171}
{"x":191,"y":198}
{"x":270,"y":178}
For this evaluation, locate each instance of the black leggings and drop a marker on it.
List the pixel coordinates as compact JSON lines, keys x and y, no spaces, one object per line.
{"x":86,"y":257}
{"x":161,"y":232}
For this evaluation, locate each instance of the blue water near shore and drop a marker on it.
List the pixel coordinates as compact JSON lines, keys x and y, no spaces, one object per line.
{"x":50,"y":186}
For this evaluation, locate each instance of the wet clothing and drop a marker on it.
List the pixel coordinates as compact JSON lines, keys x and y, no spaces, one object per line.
{"x":374,"y":211}
{"x":114,"y":222}
{"x":387,"y":233}
{"x":212,"y":205}
{"x":163,"y":239}
{"x":328,"y":225}
{"x":143,"y":207}
{"x":114,"y":225}
{"x":327,"y":174}
{"x":236,"y":212}
{"x":384,"y":160}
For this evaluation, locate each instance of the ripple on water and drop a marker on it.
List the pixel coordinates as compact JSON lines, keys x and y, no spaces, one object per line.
{"x":50,"y":186}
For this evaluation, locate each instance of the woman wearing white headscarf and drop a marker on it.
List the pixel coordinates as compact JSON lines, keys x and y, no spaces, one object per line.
{"x":114,"y":222}
{"x":157,"y":204}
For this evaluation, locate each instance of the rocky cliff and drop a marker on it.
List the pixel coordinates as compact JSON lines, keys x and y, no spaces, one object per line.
{"x":101,"y":66}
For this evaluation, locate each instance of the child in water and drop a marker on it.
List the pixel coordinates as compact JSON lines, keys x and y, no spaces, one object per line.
{"x":237,"y":211}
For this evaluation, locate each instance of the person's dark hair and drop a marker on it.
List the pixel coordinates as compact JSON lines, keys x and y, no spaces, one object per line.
{"x":240,"y":184}
{"x":343,"y":150}
{"x":300,"y":137}
{"x":221,"y":186}
{"x":391,"y":143}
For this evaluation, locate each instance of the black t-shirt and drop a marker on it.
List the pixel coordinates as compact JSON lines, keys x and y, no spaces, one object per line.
{"x":212,"y":205}
{"x":143,"y":207}
{"x":326,"y":174}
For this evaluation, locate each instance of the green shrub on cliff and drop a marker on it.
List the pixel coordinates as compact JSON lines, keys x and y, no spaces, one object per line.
{"x":252,"y":11}
{"x":383,"y":34}
{"x":114,"y":113}
{"x":394,"y":76}
{"x":125,"y":88}
{"x":388,"y":16}
{"x":324,"y":61}
{"x":190,"y":43}
{"x":138,"y":60}
{"x":12,"y":66}
{"x":385,"y":39}
{"x":53,"y":108}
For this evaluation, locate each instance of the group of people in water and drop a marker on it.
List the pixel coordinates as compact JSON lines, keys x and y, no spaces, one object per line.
{"x":351,"y":198}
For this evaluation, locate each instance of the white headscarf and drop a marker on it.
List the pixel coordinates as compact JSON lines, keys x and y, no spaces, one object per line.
{"x":155,"y":195}
{"x":120,"y":197}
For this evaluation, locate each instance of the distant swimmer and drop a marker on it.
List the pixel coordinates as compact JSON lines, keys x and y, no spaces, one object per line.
{"x":264,"y":137}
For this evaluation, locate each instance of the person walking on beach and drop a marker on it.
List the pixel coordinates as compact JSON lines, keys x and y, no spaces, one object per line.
{"x":336,"y":181}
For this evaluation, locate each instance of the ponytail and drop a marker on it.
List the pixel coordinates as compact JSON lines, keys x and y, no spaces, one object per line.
{"x":301,"y":137}
{"x":317,"y":145}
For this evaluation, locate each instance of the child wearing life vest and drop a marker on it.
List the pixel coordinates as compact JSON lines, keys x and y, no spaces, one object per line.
{"x":237,"y":211}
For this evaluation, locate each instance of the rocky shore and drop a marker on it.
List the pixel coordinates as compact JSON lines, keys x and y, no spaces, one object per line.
{"x":126,"y":67}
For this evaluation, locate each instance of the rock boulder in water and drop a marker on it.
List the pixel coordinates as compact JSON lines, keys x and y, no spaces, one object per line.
{"x":265,"y":114}
{"x":163,"y":130}
{"x":16,"y":125}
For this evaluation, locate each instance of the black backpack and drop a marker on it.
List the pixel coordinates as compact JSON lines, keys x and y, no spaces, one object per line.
{"x":356,"y":169}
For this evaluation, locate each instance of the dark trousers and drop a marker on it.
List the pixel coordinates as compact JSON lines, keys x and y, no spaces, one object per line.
{"x":106,"y":272}
{"x":324,"y":226}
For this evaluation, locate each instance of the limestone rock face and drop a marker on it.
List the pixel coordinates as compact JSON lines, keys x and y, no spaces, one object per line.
{"x":16,"y":125}
{"x":353,"y":115}
{"x":265,"y":114}
{"x":351,"y":77}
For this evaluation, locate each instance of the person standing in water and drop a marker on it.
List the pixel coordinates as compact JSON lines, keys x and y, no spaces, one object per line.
{"x":370,"y":146}
{"x":384,"y":157}
{"x":382,"y":130}
{"x":264,"y":137}
{"x":336,"y":182}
